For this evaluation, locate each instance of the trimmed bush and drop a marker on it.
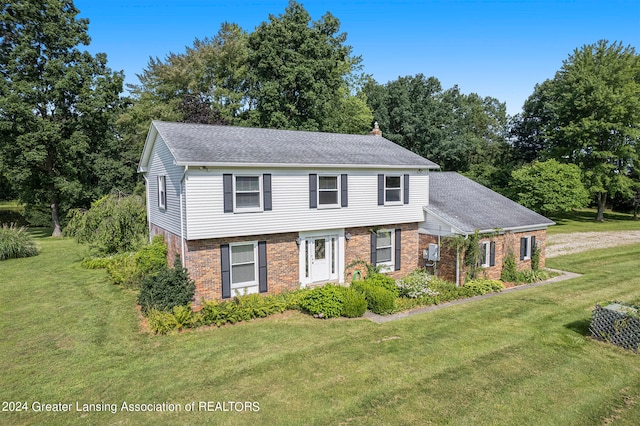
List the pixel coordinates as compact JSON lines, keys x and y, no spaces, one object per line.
{"x":324,"y":302}
{"x":483,"y":286}
{"x":509,"y":268}
{"x":245,"y":308}
{"x":16,"y":243}
{"x":130,"y":269}
{"x":383,"y":281}
{"x":379,"y":299}
{"x":170,"y":287}
{"x":355,"y":303}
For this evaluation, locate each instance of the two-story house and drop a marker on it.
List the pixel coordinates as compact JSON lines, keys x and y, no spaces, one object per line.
{"x":259,"y":210}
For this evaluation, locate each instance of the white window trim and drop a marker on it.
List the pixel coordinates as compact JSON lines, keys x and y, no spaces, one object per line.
{"x":249,"y":287}
{"x":401,"y":189}
{"x":387,"y":266}
{"x":162,"y":192}
{"x":486,"y":247}
{"x":237,"y":209}
{"x":337,"y":190}
{"x":527,"y":255}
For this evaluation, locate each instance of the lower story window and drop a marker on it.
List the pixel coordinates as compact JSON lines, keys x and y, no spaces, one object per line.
{"x":244,"y":268}
{"x":384,"y":247}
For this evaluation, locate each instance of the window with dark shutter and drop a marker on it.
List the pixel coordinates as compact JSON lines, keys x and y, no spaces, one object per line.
{"x":374,"y":246}
{"x":381,"y":190}
{"x":523,"y":248}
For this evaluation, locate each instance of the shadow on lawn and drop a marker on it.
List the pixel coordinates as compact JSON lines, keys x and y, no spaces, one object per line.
{"x":587,"y":216}
{"x":581,"y":327}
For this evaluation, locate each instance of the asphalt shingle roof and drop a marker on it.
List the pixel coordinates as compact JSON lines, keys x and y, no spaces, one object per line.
{"x":469,"y":206}
{"x":202,"y":144}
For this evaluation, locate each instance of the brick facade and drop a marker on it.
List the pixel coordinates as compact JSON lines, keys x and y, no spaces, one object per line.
{"x":505,"y":243}
{"x":204,"y":264}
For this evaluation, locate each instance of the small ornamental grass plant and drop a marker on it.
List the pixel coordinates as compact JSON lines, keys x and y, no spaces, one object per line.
{"x":16,"y":243}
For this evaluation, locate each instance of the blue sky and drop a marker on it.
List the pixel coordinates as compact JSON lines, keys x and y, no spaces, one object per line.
{"x":498,"y":48}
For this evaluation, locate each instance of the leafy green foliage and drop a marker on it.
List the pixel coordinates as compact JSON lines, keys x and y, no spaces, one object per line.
{"x":168,"y":288}
{"x":483,"y":286}
{"x":416,"y":284}
{"x":355,"y":303}
{"x":380,"y":300}
{"x":549,"y":187}
{"x":16,"y":243}
{"x":383,"y":281}
{"x":130,"y":269}
{"x":589,"y":115}
{"x":324,"y":302}
{"x":58,"y":105}
{"x":245,"y":308}
{"x":509,"y":268}
{"x":114,"y":224}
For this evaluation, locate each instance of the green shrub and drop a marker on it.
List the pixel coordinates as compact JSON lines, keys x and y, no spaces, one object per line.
{"x":123,"y":270}
{"x":324,"y":302}
{"x":153,"y":257}
{"x":447,"y":292}
{"x":379,"y":299}
{"x":535,"y":257}
{"x":483,"y":286}
{"x":509,"y":268}
{"x":416,"y":284}
{"x":16,"y":243}
{"x":161,"y":322}
{"x":168,"y":288}
{"x":96,"y":262}
{"x":383,"y":281}
{"x":115,"y":223}
{"x":355,"y":303}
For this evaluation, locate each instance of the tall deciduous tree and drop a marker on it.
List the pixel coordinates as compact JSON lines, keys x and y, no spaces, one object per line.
{"x":549,"y":187}
{"x":590,"y":116}
{"x":299,"y":70}
{"x":57,"y":106}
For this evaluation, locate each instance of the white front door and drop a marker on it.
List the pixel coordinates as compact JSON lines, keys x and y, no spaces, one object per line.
{"x":320,"y":256}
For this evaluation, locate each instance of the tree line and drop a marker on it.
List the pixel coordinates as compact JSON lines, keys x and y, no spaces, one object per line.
{"x":69,"y":135}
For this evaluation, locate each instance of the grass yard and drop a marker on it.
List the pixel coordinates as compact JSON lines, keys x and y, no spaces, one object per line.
{"x":67,"y":336}
{"x":584,"y":221}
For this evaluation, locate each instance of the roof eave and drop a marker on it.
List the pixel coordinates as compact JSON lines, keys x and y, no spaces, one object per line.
{"x":306,"y":165}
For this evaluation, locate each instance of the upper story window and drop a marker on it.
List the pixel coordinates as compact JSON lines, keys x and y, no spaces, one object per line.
{"x":392,"y":189}
{"x":162,"y":192}
{"x":328,"y":191}
{"x":247,"y":193}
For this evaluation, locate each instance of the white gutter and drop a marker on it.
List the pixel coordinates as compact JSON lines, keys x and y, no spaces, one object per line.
{"x":307,"y":166}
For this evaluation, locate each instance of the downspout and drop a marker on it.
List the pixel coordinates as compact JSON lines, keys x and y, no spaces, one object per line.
{"x":457,"y":266}
{"x":182,"y":191}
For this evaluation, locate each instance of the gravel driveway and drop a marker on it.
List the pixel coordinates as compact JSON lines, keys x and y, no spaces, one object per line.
{"x":576,"y":242}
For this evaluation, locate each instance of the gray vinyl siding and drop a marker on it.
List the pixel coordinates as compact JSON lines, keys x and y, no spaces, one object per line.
{"x":206,"y":218}
{"x":161,"y":163}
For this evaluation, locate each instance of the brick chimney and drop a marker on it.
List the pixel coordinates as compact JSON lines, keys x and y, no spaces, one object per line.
{"x":376,"y":130}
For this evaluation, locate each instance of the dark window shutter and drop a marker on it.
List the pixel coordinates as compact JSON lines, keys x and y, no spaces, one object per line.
{"x":533,"y":243}
{"x":262,"y":266}
{"x":226,"y":271}
{"x":227,"y":183}
{"x":406,"y":189}
{"x":523,"y":248}
{"x":492,"y":254}
{"x":313,"y":191}
{"x":374,"y":244}
{"x":266,"y":190}
{"x":381,"y":190}
{"x":398,"y":259}
{"x":344,"y":200}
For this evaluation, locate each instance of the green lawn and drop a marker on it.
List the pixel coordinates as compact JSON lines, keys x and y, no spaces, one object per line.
{"x":67,"y":336}
{"x":584,"y":220}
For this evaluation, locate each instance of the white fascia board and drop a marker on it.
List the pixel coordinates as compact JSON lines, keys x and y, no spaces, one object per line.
{"x":305,"y":166}
{"x":148,"y":147}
